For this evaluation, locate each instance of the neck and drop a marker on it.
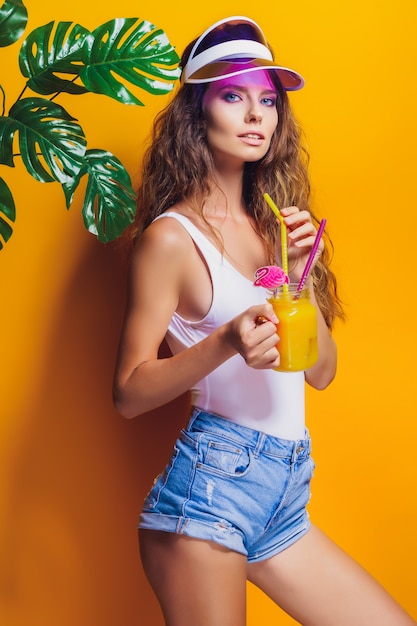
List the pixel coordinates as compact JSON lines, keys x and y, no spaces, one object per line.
{"x":225,"y":199}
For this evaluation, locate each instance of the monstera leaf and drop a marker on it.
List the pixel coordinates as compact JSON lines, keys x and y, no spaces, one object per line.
{"x":66,"y":57}
{"x":46,"y":55}
{"x":137,"y":52}
{"x":43,"y":126}
{"x":109,"y":201}
{"x":13,"y":19}
{"x":7,"y":210}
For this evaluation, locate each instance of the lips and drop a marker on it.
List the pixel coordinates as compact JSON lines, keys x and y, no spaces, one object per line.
{"x":256,"y":136}
{"x":256,"y":140}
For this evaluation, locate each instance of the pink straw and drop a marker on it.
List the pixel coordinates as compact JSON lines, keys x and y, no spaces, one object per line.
{"x":311,"y":256}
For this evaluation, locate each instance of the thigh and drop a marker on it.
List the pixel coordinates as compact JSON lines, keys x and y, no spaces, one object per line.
{"x":320,"y":585}
{"x":197,"y":582}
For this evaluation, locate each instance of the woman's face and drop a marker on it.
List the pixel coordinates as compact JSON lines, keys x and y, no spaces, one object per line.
{"x":241,"y":117}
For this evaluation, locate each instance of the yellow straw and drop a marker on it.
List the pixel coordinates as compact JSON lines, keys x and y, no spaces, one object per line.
{"x":284,"y":245}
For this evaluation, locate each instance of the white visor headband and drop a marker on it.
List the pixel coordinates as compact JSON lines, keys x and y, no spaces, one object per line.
{"x":208,"y":63}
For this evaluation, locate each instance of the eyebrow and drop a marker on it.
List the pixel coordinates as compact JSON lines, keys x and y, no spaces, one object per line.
{"x":246,"y":89}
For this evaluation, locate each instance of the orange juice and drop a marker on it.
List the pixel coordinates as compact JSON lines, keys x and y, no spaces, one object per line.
{"x":296,"y":328}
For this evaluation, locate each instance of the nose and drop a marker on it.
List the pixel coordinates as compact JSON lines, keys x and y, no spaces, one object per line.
{"x":254,"y":113}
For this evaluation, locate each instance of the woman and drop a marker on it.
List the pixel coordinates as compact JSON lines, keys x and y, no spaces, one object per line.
{"x":231,"y":504}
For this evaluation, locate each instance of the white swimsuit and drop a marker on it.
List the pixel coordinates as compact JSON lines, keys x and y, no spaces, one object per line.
{"x":266,"y":400}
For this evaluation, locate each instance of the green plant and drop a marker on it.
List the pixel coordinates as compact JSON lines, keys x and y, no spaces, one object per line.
{"x":67,"y":57}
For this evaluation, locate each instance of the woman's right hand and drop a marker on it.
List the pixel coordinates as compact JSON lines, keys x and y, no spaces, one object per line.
{"x":253,"y":334}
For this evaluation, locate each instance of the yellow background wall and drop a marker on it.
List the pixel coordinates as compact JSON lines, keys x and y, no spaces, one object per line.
{"x":73,"y":473}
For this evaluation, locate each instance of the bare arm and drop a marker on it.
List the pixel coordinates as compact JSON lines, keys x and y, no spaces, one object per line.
{"x":143,"y":381}
{"x":301,"y":238}
{"x":323,"y":372}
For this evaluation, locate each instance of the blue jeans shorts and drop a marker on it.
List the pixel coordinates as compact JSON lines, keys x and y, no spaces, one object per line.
{"x":233,"y":485}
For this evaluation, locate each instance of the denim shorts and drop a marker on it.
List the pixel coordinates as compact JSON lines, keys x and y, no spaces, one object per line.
{"x":233,"y":485}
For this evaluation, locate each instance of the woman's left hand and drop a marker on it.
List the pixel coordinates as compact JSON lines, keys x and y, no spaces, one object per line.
{"x":301,"y":234}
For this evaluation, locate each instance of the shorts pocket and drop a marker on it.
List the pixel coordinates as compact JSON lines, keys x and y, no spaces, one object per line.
{"x":223,"y":457}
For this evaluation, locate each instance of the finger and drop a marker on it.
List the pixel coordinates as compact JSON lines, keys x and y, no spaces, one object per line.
{"x":300,"y":231}
{"x":262,"y":313}
{"x":261,"y":319}
{"x":266,"y":336}
{"x":290,"y":210}
{"x":308,"y":241}
{"x":304,"y":243}
{"x":269,"y":360}
{"x":263,"y":340}
{"x":296,"y":217}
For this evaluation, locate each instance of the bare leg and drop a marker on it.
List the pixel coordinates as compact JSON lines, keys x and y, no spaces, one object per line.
{"x":197,"y":583}
{"x":320,"y":585}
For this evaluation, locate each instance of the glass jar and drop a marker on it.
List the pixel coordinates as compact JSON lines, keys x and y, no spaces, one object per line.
{"x":296,"y":328}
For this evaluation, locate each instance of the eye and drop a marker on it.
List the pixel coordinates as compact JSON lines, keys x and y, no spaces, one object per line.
{"x":269,"y":101}
{"x":231,"y":96}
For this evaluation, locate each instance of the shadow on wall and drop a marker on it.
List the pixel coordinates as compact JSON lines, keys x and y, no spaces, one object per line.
{"x":80,"y":472}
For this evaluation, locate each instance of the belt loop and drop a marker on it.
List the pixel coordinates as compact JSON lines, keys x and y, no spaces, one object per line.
{"x":298,"y":447}
{"x":194,"y":414}
{"x":259,"y":444}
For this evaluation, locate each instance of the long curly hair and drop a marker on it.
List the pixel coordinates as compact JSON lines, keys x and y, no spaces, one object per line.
{"x":178,"y":165}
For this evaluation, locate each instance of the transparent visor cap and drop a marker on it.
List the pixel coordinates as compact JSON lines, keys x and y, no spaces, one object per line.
{"x":233,"y":46}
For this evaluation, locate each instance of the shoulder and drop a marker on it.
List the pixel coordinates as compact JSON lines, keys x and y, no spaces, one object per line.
{"x":166,"y":234}
{"x":164,"y":244}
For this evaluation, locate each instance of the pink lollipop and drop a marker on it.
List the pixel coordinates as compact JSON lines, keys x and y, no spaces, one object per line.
{"x":270,"y":276}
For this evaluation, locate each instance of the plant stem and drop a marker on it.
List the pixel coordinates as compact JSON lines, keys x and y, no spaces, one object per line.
{"x":4,"y":100}
{"x":21,"y":93}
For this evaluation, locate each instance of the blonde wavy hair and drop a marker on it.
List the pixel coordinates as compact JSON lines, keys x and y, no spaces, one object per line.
{"x":178,"y":165}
